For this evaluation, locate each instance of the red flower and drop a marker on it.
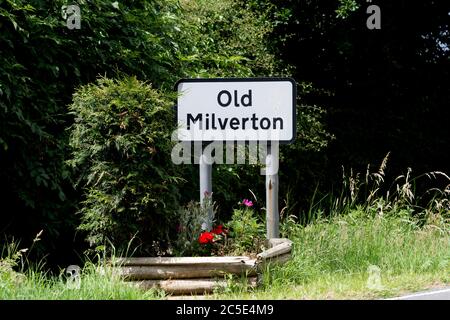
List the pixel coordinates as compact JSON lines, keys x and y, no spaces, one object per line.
{"x":219,"y":230}
{"x":206,"y":237}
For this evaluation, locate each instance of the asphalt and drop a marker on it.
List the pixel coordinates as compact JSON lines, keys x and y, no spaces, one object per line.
{"x":437,"y":294}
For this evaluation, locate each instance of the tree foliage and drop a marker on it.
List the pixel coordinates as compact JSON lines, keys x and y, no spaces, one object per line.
{"x":388,"y":87}
{"x":121,"y":151}
{"x":383,"y":90}
{"x":42,"y":62}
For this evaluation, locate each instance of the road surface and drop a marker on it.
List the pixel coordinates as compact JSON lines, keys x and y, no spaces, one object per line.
{"x":437,"y":294}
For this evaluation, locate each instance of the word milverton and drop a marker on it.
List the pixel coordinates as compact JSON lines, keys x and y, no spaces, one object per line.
{"x":211,"y":122}
{"x":224,"y":99}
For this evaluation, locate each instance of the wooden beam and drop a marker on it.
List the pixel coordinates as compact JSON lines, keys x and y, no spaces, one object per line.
{"x":185,"y":271}
{"x":181,"y":261}
{"x":189,"y":286}
{"x":280,"y":249}
{"x":276,"y":241}
{"x":276,"y":261}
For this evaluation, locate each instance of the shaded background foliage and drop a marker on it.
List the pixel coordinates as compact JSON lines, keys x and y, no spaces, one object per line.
{"x":383,"y":90}
{"x":42,"y":62}
{"x":121,"y":146}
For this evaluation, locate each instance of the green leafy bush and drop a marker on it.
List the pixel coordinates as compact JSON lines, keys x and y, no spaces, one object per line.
{"x":121,"y":151}
{"x":191,"y":219}
{"x":246,"y":232}
{"x":230,"y":40}
{"x":42,"y":62}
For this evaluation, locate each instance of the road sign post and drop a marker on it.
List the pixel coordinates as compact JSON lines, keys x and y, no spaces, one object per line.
{"x":272,"y":213}
{"x":205,"y":173}
{"x":233,"y":110}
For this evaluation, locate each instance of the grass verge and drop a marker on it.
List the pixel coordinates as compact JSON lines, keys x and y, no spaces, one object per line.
{"x":358,"y":256}
{"x":95,"y":283}
{"x":353,"y":256}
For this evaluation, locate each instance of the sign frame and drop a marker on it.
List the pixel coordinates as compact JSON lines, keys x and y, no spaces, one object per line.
{"x":255,"y":79}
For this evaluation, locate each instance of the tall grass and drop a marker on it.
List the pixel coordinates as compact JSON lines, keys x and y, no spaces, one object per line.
{"x":337,"y":246}
{"x":351,"y":243}
{"x":335,"y":257}
{"x":369,"y":225}
{"x":97,"y":281}
{"x":370,"y":192}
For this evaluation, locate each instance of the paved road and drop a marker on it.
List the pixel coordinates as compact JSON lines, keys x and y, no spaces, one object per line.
{"x":438,"y":294}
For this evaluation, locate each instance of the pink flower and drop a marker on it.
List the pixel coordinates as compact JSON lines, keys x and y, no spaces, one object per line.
{"x":207,"y":194}
{"x":247,"y":203}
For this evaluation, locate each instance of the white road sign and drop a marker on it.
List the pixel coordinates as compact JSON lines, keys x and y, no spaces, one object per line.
{"x":236,"y":109}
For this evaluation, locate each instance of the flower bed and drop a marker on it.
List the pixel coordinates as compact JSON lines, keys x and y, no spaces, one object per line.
{"x":200,"y":275}
{"x":206,"y":256}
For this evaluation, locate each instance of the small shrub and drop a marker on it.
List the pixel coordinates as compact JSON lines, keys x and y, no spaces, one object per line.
{"x":189,"y":227}
{"x":121,"y":149}
{"x":246,"y":231}
{"x":243,"y":234}
{"x":193,"y":236}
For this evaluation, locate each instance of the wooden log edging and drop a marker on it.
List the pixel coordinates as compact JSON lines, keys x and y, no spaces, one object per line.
{"x":200,"y":275}
{"x":181,"y":261}
{"x":190,"y":286}
{"x":185,"y":271}
{"x":282,"y":248}
{"x":278,"y":253}
{"x":185,"y":267}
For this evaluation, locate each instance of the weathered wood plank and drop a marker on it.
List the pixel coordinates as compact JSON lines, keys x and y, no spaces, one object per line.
{"x":280,"y":249}
{"x":276,"y":241}
{"x":184,"y":286}
{"x":189,"y":286}
{"x":152,"y":261}
{"x":187,"y":297}
{"x":186,"y":271}
{"x":277,"y":260}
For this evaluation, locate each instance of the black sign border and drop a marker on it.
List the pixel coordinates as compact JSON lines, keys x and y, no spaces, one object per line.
{"x":258,"y":79}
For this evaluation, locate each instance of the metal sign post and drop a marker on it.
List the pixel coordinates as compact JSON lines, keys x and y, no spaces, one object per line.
{"x":272,"y":213}
{"x":233,"y":110}
{"x":205,"y":172}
